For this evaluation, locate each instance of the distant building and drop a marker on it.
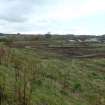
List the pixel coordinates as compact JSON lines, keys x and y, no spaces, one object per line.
{"x":92,"y":40}
{"x":72,"y":40}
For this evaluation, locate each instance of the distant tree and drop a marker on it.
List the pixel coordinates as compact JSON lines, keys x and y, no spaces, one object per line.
{"x":48,"y":35}
{"x":82,"y":38}
{"x":1,"y":34}
{"x":18,"y":34}
{"x":102,"y":38}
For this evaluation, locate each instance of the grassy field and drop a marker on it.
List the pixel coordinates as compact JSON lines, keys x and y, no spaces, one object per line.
{"x":37,"y":77}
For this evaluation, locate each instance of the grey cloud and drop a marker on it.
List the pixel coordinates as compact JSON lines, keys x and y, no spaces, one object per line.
{"x":21,"y":10}
{"x":24,"y":15}
{"x":10,"y":19}
{"x":15,"y":10}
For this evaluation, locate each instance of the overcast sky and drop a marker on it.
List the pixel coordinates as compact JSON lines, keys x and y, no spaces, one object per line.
{"x":55,"y":16}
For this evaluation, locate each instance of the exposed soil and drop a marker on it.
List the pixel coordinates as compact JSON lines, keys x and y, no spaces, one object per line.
{"x":78,"y":52}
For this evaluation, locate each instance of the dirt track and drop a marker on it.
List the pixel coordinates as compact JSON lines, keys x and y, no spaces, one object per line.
{"x":77,"y":52}
{"x":72,"y":52}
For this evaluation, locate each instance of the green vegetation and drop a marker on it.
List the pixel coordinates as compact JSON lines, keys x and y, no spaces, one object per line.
{"x":51,"y":70}
{"x":36,"y":77}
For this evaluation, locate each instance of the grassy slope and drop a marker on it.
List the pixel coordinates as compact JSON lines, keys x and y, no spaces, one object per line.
{"x":58,"y":81}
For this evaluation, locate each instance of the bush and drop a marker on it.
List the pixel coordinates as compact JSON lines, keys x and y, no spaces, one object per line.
{"x":77,"y":87}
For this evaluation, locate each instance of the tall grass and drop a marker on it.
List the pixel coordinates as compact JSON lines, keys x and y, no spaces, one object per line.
{"x":28,"y":77}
